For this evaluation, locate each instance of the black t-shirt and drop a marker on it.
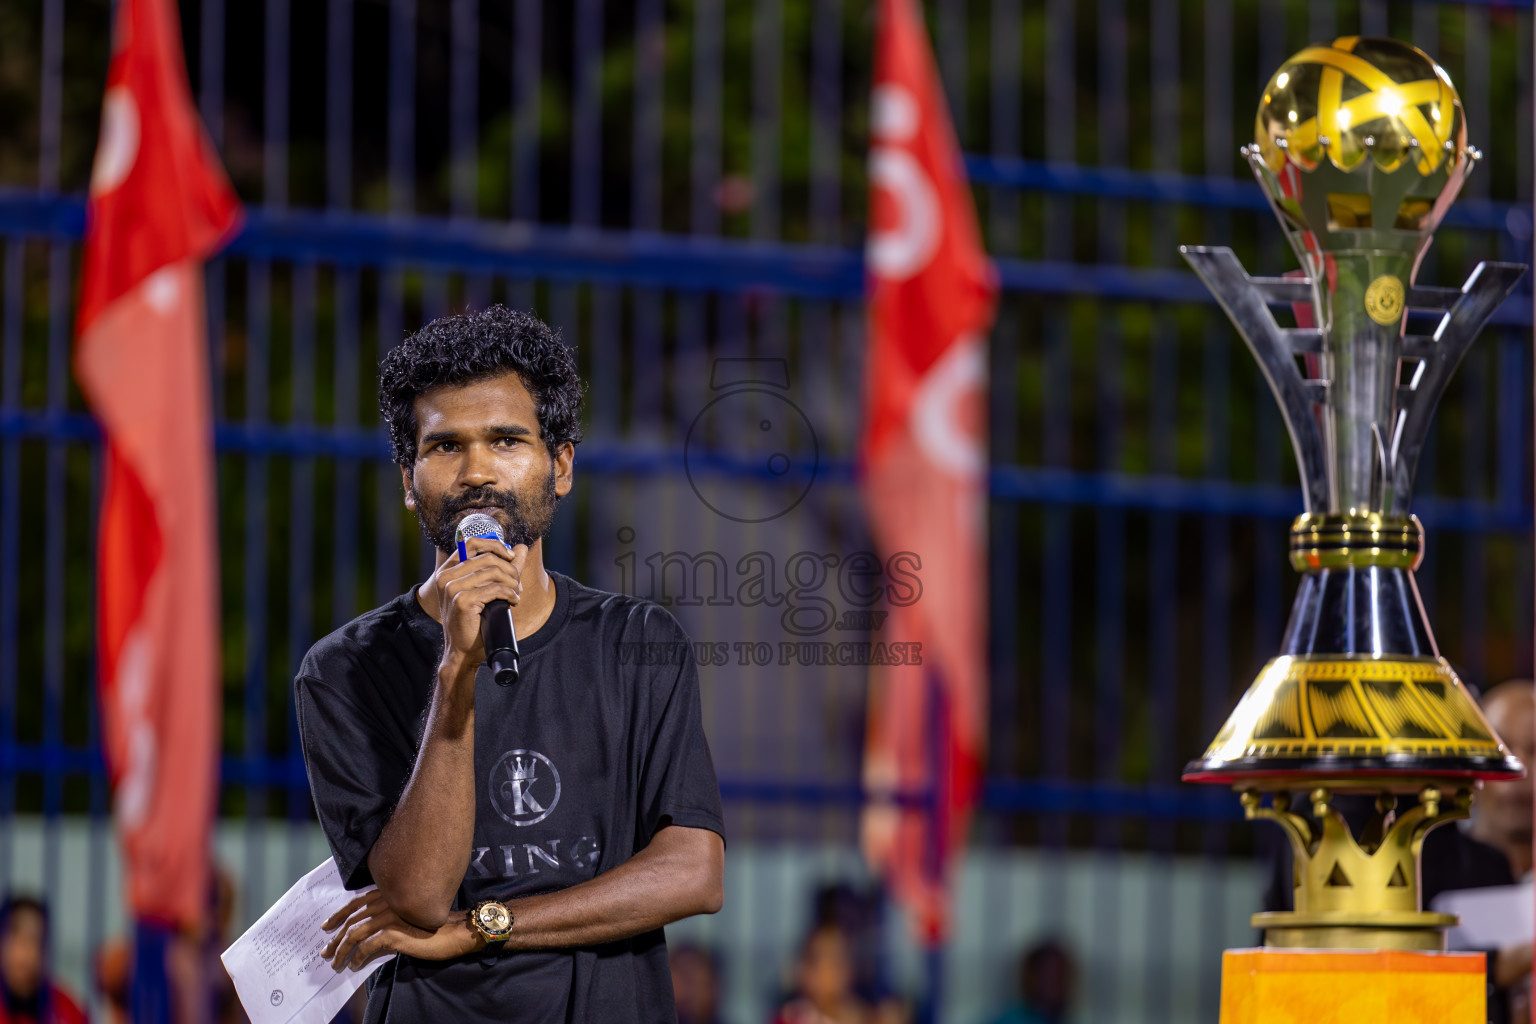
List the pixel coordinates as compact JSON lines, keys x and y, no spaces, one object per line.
{"x":598,"y":745}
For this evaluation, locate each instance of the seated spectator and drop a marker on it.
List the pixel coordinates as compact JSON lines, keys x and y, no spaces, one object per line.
{"x":28,"y":995}
{"x":1494,"y":847}
{"x":695,"y":984}
{"x":1047,"y":975}
{"x":114,"y":965}
{"x":824,"y":992}
{"x":859,"y":911}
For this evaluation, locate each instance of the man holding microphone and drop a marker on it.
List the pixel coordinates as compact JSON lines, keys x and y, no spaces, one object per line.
{"x":528,"y":841}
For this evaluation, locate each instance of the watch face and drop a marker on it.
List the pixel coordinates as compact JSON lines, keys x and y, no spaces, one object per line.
{"x":493,"y":919}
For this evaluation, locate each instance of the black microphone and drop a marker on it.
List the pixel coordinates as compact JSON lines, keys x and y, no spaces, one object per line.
{"x":496,"y":621}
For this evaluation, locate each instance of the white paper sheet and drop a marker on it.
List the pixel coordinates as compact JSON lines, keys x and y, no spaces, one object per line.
{"x":1492,"y":918}
{"x":276,"y":964}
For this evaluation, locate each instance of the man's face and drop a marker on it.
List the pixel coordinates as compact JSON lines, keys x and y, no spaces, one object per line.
{"x":478,"y":449}
{"x":21,"y":953}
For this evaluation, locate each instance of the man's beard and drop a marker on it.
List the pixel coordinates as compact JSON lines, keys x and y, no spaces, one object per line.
{"x":524,"y":518}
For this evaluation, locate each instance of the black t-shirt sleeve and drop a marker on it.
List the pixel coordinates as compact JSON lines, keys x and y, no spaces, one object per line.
{"x":356,"y":767}
{"x":677,"y":784}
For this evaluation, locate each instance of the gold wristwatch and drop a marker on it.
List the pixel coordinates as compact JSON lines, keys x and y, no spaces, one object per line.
{"x":492,"y":920}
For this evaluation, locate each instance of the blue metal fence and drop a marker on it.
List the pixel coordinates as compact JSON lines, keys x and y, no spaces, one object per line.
{"x":672,"y":183}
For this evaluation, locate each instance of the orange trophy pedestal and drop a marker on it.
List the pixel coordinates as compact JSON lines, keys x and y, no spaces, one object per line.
{"x":1270,"y":986}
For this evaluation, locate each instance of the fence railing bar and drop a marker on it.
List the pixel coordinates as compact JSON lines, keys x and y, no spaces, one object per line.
{"x":1426,"y":26}
{"x":649,"y":84}
{"x":402,"y":106}
{"x":1472,"y":608}
{"x":587,"y":116}
{"x":50,"y":104}
{"x":55,"y":535}
{"x":767,"y":100}
{"x":338,"y":103}
{"x":1512,"y":476}
{"x":1187,"y":189}
{"x":704,"y":158}
{"x":463,"y":105}
{"x":1474,"y":87}
{"x":1373,"y":18}
{"x":951,"y":48}
{"x":1213,"y":661}
{"x":10,"y":534}
{"x":1322,"y":19}
{"x":99,"y":834}
{"x":254,"y":588}
{"x":1097,"y":798}
{"x":1524,"y":58}
{"x":617,"y":257}
{"x":527,"y":54}
{"x":1045,"y":485}
{"x":1018,"y":796}
{"x":210,"y":71}
{"x":1056,"y":578}
{"x":1166,"y":72}
{"x":275,"y":106}
{"x":826,"y":96}
{"x":386,"y":559}
{"x":344,"y":528}
{"x":302,"y":524}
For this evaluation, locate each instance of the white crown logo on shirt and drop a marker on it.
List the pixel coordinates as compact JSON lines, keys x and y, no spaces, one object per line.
{"x":524,"y":769}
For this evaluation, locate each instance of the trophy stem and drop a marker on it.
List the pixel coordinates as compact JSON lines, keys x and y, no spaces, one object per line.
{"x":1359,"y":305}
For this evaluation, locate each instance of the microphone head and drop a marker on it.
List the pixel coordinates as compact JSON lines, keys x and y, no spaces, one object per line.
{"x":478,"y":524}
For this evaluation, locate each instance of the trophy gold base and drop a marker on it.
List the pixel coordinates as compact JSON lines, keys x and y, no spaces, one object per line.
{"x":1322,"y":986}
{"x":1403,"y":930}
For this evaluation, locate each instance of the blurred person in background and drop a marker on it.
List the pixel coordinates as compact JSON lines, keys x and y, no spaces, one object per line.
{"x":226,"y":1001}
{"x":696,"y":984}
{"x":1493,"y":848}
{"x":1047,"y":977}
{"x":114,"y":963}
{"x":860,"y":912}
{"x":28,"y":994}
{"x":824,"y":992}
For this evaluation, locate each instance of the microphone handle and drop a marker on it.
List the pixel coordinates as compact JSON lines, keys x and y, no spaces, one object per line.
{"x":500,"y":642}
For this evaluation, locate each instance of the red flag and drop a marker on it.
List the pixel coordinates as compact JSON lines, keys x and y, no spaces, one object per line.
{"x":159,"y":204}
{"x":923,"y":456}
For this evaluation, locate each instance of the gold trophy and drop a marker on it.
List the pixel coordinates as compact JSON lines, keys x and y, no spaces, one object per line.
{"x":1361,"y":148}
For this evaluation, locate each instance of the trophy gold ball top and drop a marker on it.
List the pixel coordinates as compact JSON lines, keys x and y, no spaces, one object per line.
{"x":1361,"y":147}
{"x":1378,"y":130}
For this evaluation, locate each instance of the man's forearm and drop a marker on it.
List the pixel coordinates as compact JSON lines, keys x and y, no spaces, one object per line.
{"x":678,"y":874}
{"x":420,"y":858}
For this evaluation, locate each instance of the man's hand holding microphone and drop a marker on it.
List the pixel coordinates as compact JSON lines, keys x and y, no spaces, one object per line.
{"x":477,"y":588}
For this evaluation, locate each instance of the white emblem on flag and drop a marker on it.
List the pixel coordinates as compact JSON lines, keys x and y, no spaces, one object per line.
{"x":902,"y":250}
{"x":948,"y":407}
{"x":137,"y":785}
{"x":119,"y":145}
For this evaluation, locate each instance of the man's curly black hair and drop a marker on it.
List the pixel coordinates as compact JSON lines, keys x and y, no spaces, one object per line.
{"x":469,"y":347}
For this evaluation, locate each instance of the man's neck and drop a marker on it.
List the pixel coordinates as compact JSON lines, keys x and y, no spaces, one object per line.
{"x":528,"y":615}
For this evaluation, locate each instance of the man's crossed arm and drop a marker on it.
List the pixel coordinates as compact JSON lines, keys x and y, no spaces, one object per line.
{"x":678,"y":874}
